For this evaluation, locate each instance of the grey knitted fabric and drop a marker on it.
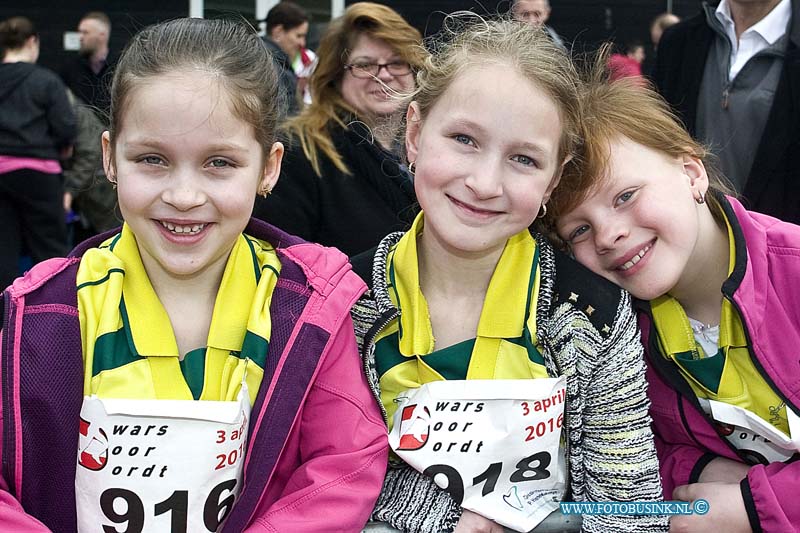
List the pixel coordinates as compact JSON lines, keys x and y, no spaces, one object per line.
{"x":610,"y":450}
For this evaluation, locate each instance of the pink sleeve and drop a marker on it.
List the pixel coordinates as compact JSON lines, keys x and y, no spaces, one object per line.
{"x":770,"y":497}
{"x":343,"y":451}
{"x":13,"y":518}
{"x":679,"y":457}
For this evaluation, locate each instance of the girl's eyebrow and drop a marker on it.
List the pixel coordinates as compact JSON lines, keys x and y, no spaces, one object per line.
{"x":534,"y":148}
{"x":467,"y":123}
{"x":145,"y":142}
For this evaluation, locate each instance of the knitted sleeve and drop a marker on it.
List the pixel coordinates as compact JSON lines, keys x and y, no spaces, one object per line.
{"x":618,"y":454}
{"x":413,"y":503}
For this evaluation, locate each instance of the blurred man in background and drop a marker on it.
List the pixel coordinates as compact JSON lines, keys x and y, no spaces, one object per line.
{"x":535,"y":13}
{"x":88,"y":75}
{"x":659,"y":24}
{"x":733,"y":74}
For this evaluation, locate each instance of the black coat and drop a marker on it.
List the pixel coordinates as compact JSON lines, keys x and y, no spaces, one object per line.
{"x":350,"y":212}
{"x":94,"y":89}
{"x":36,"y":118}
{"x":287,"y":80}
{"x":773,"y":186}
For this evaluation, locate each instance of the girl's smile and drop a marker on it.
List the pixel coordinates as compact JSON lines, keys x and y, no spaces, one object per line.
{"x":483,"y":170}
{"x":188,"y":169}
{"x":634,"y":259}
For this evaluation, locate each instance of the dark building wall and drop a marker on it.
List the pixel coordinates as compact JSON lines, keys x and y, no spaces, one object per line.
{"x":586,"y":23}
{"x":590,"y":21}
{"x":54,"y":17}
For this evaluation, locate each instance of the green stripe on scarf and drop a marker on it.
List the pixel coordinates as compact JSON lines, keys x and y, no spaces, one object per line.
{"x":505,"y":344}
{"x":129,"y":346}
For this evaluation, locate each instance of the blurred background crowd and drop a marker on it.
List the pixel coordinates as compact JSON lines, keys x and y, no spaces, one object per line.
{"x":345,"y":182}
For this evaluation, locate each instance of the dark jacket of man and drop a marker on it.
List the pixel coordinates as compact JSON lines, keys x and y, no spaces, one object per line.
{"x":93,"y":195}
{"x":286,"y":75}
{"x":773,"y":186}
{"x":94,"y":89}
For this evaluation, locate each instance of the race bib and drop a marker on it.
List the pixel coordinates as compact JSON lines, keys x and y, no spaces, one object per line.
{"x":493,"y":445}
{"x":159,"y":465}
{"x":759,"y":441}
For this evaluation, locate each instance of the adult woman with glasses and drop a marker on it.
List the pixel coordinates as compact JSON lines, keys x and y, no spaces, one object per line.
{"x":341,"y":182}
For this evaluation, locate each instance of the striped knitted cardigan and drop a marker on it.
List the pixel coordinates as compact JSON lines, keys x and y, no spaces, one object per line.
{"x":588,"y":332}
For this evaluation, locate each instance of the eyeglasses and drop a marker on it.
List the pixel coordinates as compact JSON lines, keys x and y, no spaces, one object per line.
{"x":371,"y":70}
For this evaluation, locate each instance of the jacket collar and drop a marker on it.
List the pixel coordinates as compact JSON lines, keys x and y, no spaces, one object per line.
{"x":794,"y":23}
{"x":380,"y":288}
{"x":745,"y":286}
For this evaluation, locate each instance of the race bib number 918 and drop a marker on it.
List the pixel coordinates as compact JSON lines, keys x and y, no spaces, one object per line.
{"x":493,"y":445}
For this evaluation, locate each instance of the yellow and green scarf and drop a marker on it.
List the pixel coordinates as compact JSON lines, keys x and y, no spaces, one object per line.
{"x":505,"y":346}
{"x":728,"y":376}
{"x":129,"y":347}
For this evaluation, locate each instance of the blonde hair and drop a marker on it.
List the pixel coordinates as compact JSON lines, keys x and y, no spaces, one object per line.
{"x":624,"y":108}
{"x":527,"y":50}
{"x":328,"y":107}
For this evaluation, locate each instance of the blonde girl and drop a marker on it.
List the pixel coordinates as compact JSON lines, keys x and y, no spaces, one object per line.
{"x":470,"y":292}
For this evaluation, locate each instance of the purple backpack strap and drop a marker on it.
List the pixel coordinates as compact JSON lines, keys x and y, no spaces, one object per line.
{"x":50,"y":382}
{"x":271,"y":421}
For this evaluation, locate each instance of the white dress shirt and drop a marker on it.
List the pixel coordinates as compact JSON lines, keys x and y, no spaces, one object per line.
{"x":757,"y":37}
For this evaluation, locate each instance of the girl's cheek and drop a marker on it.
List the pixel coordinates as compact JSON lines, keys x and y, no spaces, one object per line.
{"x":583,"y":256}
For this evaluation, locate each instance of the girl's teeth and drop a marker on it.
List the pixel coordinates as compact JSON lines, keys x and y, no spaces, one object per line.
{"x":187,"y":230}
{"x":635,"y":259}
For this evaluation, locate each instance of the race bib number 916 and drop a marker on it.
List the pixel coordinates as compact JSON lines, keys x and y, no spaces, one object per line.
{"x":493,"y":445}
{"x":139,"y":470}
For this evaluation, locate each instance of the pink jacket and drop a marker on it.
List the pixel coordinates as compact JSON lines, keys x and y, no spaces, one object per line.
{"x":317,"y":446}
{"x":765,"y":289}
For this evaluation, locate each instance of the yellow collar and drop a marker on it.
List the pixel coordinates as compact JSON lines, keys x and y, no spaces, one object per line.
{"x":505,"y":306}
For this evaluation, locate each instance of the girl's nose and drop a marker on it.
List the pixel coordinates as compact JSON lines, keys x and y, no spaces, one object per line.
{"x":183,"y":191}
{"x":485,"y":180}
{"x":609,"y":234}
